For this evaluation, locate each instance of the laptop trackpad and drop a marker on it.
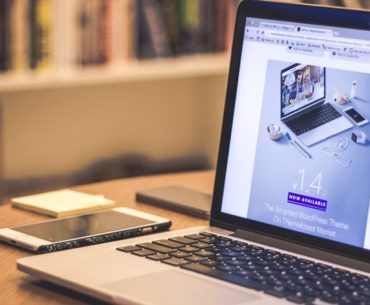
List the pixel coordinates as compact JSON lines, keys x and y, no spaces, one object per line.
{"x":175,"y":287}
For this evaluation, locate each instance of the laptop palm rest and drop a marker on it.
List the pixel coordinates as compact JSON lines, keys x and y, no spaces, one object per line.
{"x":325,"y":131}
{"x":173,"y":287}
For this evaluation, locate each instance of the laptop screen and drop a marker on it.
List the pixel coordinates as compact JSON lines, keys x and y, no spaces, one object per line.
{"x":301,"y":86}
{"x":273,"y":178}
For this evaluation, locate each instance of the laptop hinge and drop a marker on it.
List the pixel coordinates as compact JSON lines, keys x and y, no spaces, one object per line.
{"x":301,"y":249}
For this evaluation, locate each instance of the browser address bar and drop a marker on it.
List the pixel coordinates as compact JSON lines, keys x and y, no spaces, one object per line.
{"x":321,"y":39}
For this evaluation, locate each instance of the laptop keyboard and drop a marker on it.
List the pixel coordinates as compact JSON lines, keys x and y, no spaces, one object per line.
{"x":282,"y":275}
{"x":313,"y":119}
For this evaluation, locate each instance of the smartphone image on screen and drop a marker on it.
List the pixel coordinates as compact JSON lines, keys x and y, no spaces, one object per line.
{"x":84,"y":230}
{"x":357,"y":118}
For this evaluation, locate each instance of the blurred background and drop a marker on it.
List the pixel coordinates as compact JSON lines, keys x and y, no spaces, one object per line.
{"x":92,"y":90}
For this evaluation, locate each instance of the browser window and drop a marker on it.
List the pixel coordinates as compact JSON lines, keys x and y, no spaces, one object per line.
{"x":289,"y":75}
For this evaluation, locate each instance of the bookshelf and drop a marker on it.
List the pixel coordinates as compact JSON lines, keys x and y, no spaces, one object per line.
{"x":89,"y":80}
{"x":61,"y":119}
{"x":135,"y":71}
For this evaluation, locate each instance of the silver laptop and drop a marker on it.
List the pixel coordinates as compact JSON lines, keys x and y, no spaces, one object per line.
{"x":304,"y":109}
{"x":283,"y":228}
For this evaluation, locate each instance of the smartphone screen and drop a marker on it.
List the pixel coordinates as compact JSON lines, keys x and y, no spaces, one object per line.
{"x":358,"y":118}
{"x":80,"y":226}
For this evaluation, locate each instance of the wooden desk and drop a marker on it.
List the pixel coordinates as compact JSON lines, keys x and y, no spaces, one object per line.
{"x":18,"y":288}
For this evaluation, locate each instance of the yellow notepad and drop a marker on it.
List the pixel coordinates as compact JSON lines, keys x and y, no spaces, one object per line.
{"x":63,"y":203}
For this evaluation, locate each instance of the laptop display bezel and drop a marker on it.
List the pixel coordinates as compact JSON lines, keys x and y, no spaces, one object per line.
{"x":302,"y":13}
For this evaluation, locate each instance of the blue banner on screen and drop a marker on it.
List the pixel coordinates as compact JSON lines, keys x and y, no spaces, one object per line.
{"x":307,"y":201}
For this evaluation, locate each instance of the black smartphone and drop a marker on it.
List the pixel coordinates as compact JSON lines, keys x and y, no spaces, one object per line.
{"x":179,"y":199}
{"x":357,"y":118}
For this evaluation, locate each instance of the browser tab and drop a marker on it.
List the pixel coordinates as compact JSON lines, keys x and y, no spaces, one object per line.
{"x":314,"y":31}
{"x":278,"y":26}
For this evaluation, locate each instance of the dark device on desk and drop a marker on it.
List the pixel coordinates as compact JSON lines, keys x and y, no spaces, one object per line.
{"x":179,"y":199}
{"x":84,"y":230}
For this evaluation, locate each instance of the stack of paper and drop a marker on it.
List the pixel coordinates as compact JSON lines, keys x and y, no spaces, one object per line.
{"x":62,"y":203}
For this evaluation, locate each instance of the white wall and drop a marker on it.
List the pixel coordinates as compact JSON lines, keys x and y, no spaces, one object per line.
{"x":62,"y":130}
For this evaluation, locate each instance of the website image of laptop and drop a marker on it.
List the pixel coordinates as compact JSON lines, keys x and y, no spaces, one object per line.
{"x":289,"y":224}
{"x":303,"y":107}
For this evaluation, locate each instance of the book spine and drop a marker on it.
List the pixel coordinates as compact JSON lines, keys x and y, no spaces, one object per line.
{"x":93,"y":33}
{"x":190,"y":25}
{"x":213,"y":29}
{"x":102,"y":43}
{"x":2,"y":32}
{"x":5,"y":35}
{"x":128,"y":32}
{"x":169,"y":9}
{"x":113,"y":26}
{"x":206,"y":26}
{"x":120,"y":17}
{"x":19,"y":35}
{"x":68,"y":38}
{"x":58,"y":47}
{"x":43,"y":17}
{"x":83,"y":32}
{"x":153,"y":38}
{"x":33,"y":35}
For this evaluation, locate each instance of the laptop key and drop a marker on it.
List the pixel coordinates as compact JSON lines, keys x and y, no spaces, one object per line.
{"x":158,"y":256}
{"x":231,"y":253}
{"x":180,"y":254}
{"x":227,"y":268}
{"x":195,"y":258}
{"x":143,"y":252}
{"x":128,"y":249}
{"x":189,"y":249}
{"x":221,"y":258}
{"x":208,"y":234}
{"x":242,"y":272}
{"x":168,"y":243}
{"x":156,"y":248}
{"x":204,"y":253}
{"x":222,"y":275}
{"x":194,"y":236}
{"x":201,"y":245}
{"x":175,"y":261}
{"x":209,"y":263}
{"x":183,"y":240}
{"x":235,"y":262}
{"x":278,"y":292}
{"x":207,"y":240}
{"x":299,"y":298}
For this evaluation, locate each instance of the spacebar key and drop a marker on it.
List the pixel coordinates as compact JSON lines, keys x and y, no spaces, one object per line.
{"x":231,"y":278}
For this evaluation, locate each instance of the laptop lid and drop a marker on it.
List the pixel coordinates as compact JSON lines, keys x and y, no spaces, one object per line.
{"x":302,"y":86}
{"x":264,"y":182}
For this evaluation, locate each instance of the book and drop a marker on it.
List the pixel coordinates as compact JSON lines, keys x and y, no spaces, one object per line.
{"x":189,"y":16}
{"x":32,"y":34}
{"x":5,"y":35}
{"x":171,"y":21}
{"x":65,"y":36}
{"x":19,"y":46}
{"x":62,"y":203}
{"x":206,"y":24}
{"x":152,"y":34}
{"x":43,"y":23}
